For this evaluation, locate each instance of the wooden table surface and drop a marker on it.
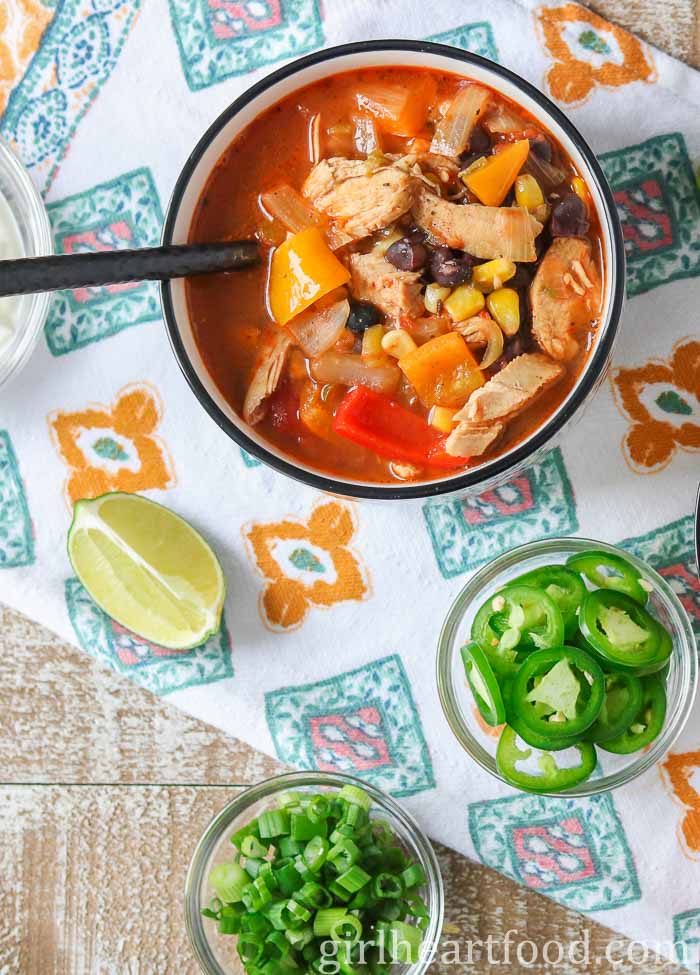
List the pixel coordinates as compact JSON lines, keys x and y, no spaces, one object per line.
{"x":105,"y":789}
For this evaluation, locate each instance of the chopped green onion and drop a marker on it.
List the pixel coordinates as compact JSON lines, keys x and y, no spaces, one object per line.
{"x":344,"y":854}
{"x":250,"y":830}
{"x":347,"y":928}
{"x":387,"y":885}
{"x":288,"y":879}
{"x":274,"y":913}
{"x":355,"y":796}
{"x":413,"y":876}
{"x":250,"y":948}
{"x":228,"y":880}
{"x":274,"y":822}
{"x":229,"y":925}
{"x":353,"y":879}
{"x":300,"y":938}
{"x":252,"y":847}
{"x":276,"y":945}
{"x":315,"y":853}
{"x":314,"y":896}
{"x":252,"y":867}
{"x":326,"y":918}
{"x":304,"y":829}
{"x":404,"y":942}
{"x":319,"y":808}
{"x":290,"y":798}
{"x":289,"y":847}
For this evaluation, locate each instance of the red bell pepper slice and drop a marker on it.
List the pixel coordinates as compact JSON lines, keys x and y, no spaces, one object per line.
{"x":390,"y":430}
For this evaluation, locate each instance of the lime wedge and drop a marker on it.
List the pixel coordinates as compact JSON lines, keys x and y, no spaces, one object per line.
{"x":147,"y":569}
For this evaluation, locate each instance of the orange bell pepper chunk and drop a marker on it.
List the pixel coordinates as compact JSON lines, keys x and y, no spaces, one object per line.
{"x":492,"y":182}
{"x":303,"y":269}
{"x":443,"y":372}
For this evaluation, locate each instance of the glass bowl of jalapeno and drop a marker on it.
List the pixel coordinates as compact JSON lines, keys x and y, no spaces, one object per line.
{"x":567,"y":666}
{"x":306,"y":872}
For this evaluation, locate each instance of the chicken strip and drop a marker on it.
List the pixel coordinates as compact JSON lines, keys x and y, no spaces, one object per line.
{"x":512,"y":389}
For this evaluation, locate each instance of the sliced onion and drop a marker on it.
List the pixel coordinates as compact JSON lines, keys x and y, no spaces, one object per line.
{"x":315,"y":138}
{"x":483,"y":331}
{"x":290,"y":209}
{"x":366,"y":135}
{"x":318,"y":329}
{"x":502,"y":120}
{"x":353,"y":370}
{"x":453,"y":131}
{"x":547,"y":174}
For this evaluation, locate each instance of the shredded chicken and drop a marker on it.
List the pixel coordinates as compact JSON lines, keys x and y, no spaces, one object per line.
{"x":565,"y":296}
{"x":472,"y":439}
{"x":394,"y":292}
{"x":275,"y":344}
{"x":359,"y":201}
{"x":512,"y":389}
{"x":485,"y":232}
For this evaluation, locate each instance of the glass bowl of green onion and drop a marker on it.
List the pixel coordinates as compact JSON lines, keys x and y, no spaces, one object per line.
{"x":567,"y":667}
{"x":313,"y":872}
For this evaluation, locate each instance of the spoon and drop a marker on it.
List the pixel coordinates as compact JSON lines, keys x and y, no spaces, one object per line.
{"x":29,"y":275}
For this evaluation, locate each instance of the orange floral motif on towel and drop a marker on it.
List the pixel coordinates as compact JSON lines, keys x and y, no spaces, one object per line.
{"x":683,"y":775}
{"x":589,"y":51}
{"x":662,"y":402}
{"x":306,"y":564}
{"x":22,"y":24}
{"x":114,"y":448}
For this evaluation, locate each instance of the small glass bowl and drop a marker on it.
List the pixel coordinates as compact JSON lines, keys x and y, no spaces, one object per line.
{"x":456,"y":697}
{"x":217,"y":953}
{"x":32,"y":220}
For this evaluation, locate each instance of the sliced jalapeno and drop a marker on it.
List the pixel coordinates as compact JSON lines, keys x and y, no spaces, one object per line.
{"x":623,"y":699}
{"x":608,"y":571}
{"x":534,"y":738}
{"x":647,"y":722}
{"x":564,"y":586}
{"x":548,"y":775}
{"x":483,"y":684}
{"x":514,"y":621}
{"x":622,"y":631}
{"x":558,"y":692}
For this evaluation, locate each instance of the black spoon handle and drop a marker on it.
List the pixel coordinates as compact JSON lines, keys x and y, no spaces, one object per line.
{"x":58,"y":272}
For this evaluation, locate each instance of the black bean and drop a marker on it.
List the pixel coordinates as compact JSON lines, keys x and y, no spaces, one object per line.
{"x":468,"y":159}
{"x":363,"y":314}
{"x":417,"y":234}
{"x":570,"y":217}
{"x":522,"y":277}
{"x":450,"y":267}
{"x":542,"y":148}
{"x":407,"y":254}
{"x":480,"y":141}
{"x":514,"y":347}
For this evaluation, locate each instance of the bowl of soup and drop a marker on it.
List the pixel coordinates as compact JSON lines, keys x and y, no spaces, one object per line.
{"x":441,"y":275}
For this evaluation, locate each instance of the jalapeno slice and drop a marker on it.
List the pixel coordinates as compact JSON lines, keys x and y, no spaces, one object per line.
{"x":564,"y":586}
{"x":608,"y":571}
{"x":647,"y":722}
{"x":483,"y":684}
{"x":623,"y":699}
{"x":515,"y":621}
{"x":534,"y":738}
{"x":558,"y":692}
{"x":622,"y":631}
{"x":548,"y":776}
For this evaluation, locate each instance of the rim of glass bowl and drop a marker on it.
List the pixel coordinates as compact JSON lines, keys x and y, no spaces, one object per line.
{"x":33,"y":220}
{"x":449,"y":643}
{"x":218,"y":826}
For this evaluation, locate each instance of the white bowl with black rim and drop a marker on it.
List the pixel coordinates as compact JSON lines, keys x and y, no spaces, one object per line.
{"x":372,"y":54}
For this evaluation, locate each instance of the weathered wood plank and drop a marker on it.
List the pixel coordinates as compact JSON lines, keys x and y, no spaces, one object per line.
{"x":66,"y":718}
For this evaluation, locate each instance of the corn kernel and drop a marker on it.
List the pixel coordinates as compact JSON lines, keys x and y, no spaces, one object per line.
{"x":435,"y":297}
{"x":441,"y":417}
{"x":464,"y":302}
{"x":504,"y":306}
{"x":528,"y":193}
{"x":372,"y":340}
{"x":383,"y":244}
{"x":398,"y":343}
{"x":487,"y":276}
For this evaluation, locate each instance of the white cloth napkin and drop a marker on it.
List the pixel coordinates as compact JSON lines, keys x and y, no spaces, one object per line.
{"x":327,"y":655}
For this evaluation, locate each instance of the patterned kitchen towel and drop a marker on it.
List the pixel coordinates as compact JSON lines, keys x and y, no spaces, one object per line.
{"x":320,"y":660}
